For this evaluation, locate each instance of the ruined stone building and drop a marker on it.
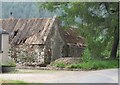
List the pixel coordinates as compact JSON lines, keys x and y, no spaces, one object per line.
{"x":42,"y":40}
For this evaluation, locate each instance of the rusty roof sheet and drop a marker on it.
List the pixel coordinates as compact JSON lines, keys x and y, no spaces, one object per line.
{"x":72,"y":37}
{"x":27,"y":30}
{"x":36,"y":30}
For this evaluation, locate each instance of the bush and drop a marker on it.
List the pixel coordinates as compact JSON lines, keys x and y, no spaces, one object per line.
{"x":86,"y":56}
{"x":58,"y":64}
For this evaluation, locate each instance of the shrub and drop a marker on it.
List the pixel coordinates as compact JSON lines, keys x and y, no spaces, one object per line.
{"x":95,"y":64}
{"x":74,"y":66}
{"x":86,"y":56}
{"x":58,"y":64}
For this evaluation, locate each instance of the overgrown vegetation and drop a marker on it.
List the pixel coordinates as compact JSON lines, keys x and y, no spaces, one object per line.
{"x":97,"y":22}
{"x":96,"y":64}
{"x":86,"y":55}
{"x":88,"y":62}
{"x":12,"y":81}
{"x":59,"y":64}
{"x":90,"y":65}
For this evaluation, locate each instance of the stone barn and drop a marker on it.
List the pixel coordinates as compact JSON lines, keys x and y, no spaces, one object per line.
{"x":42,"y":40}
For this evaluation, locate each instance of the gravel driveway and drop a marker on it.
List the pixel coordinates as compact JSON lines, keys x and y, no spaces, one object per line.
{"x":99,"y":76}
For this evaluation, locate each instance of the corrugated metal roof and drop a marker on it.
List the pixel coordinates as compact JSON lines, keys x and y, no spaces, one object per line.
{"x":36,"y":30}
{"x":27,"y":30}
{"x":72,"y":37}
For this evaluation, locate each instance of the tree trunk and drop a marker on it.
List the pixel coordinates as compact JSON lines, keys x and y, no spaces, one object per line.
{"x":115,"y":44}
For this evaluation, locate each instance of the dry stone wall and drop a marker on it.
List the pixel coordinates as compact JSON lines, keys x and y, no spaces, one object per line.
{"x":29,"y":54}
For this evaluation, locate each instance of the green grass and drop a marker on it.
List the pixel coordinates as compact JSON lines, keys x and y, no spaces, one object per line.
{"x":59,"y":64}
{"x":90,"y":65}
{"x":17,"y":81}
{"x":12,"y":81}
{"x":95,"y":64}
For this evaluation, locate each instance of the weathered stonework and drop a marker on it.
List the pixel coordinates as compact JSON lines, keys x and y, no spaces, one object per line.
{"x":41,"y":41}
{"x":30,"y":54}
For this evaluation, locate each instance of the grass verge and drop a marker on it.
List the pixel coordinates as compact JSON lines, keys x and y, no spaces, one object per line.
{"x":90,"y":65}
{"x":12,"y":81}
{"x":59,"y":64}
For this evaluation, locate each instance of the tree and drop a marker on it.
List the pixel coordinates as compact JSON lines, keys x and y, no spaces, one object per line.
{"x":98,"y":23}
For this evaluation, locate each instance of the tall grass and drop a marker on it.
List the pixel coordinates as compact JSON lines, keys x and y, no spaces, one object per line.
{"x":95,"y":64}
{"x":59,"y":64}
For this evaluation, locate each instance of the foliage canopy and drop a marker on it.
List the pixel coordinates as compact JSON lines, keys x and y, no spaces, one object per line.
{"x":97,"y":22}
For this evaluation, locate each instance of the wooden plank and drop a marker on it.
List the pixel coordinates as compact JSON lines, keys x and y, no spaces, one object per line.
{"x":16,"y":38}
{"x":50,"y":26}
{"x":4,"y":24}
{"x":18,"y":25}
{"x":30,"y":27}
{"x":21,"y":31}
{"x":45,"y":28}
{"x":35,"y":39}
{"x":12,"y":25}
{"x":41,"y":23}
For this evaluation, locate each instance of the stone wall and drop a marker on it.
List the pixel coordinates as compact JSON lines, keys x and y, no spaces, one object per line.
{"x":53,"y":45}
{"x":72,"y":51}
{"x":56,"y":44}
{"x":29,"y":54}
{"x":75,"y":51}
